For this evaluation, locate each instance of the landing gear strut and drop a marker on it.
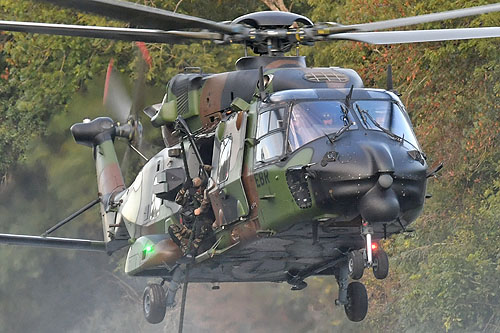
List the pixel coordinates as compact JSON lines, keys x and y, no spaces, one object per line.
{"x":367,"y":231}
{"x":352,"y":296}
{"x":156,"y":299}
{"x":371,"y":256}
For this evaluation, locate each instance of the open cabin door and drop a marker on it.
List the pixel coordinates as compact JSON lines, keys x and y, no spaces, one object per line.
{"x":228,"y":196}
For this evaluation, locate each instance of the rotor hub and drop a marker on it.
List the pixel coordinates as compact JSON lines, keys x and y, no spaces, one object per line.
{"x":270,"y":31}
{"x":272,"y":19}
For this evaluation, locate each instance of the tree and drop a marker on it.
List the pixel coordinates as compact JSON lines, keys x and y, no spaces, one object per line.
{"x":65,"y":64}
{"x":445,"y":277}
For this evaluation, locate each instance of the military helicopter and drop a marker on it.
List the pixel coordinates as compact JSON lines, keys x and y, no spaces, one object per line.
{"x":308,"y":168}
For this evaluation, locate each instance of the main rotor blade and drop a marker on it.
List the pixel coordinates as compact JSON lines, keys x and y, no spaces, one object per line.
{"x":53,"y":242}
{"x":128,"y":34}
{"x":416,"y":36}
{"x":144,"y":16}
{"x":406,"y":21}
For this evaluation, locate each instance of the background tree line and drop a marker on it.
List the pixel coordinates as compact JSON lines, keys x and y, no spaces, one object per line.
{"x":444,"y":277}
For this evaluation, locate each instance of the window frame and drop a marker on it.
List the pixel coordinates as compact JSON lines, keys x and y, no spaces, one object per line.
{"x":403,"y":112}
{"x":225,"y":145}
{"x":281,"y":129}
{"x":351,"y":116}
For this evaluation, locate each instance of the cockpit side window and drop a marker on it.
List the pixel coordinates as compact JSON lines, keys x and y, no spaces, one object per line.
{"x":263,"y":125}
{"x":224,"y":158}
{"x":270,"y":134}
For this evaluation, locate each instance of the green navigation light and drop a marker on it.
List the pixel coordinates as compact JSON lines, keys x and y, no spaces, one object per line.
{"x":148,"y":249}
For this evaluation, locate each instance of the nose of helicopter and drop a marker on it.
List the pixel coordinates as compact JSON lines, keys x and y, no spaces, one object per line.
{"x":367,"y":175}
{"x":380,"y":203}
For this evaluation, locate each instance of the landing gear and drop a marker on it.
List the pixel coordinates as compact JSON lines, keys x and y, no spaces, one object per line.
{"x":358,"y":260}
{"x":367,"y":231}
{"x":357,"y":302}
{"x":295,"y":279}
{"x":156,"y":299}
{"x":352,"y":296}
{"x":371,"y":256}
{"x":355,"y":264}
{"x":153,"y":303}
{"x":380,"y":264}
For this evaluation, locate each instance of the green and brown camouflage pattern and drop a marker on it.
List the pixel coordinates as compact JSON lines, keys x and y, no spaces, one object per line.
{"x":258,"y":200}
{"x":109,"y":182}
{"x":201,"y":99}
{"x":262,"y":226}
{"x":149,"y":252}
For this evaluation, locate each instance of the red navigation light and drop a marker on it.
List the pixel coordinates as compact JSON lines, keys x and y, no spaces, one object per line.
{"x":374,"y":246}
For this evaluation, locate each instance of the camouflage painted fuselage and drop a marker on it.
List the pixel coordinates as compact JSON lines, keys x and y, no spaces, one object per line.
{"x":279,"y":204}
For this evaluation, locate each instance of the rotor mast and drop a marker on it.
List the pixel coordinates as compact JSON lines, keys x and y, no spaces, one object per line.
{"x":271,"y":33}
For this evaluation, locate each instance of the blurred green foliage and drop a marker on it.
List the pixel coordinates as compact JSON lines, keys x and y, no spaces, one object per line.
{"x":445,"y":277}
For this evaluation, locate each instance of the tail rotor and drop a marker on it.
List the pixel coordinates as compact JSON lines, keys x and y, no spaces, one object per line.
{"x":124,"y":109}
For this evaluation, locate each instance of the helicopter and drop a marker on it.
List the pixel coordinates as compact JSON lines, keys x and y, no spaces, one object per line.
{"x":308,"y":169}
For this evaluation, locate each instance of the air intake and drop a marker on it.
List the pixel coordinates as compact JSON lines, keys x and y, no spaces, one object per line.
{"x":326,"y":76}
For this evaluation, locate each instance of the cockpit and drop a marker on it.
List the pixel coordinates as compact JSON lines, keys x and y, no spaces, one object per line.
{"x":292,"y":119}
{"x":310,"y":120}
{"x":389,"y":115}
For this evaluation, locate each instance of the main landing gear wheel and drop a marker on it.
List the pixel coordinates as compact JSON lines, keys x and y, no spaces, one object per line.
{"x":355,"y":265}
{"x":153,"y":303}
{"x":357,"y":302}
{"x":380,"y":264}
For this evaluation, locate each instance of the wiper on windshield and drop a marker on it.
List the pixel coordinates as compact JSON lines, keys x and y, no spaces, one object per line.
{"x":343,"y":129}
{"x":365,"y":114}
{"x":363,"y":117}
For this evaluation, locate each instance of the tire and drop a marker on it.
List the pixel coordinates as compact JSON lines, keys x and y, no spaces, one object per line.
{"x":380,"y":265}
{"x":355,"y":265}
{"x":153,"y":303}
{"x":357,"y":302}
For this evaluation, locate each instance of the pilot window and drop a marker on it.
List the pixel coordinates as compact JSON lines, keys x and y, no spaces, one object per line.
{"x":270,"y":146}
{"x":314,"y":119}
{"x":270,"y":134}
{"x":224,"y":158}
{"x":388,"y":115}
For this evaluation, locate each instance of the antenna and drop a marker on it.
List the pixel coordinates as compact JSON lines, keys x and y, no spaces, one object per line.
{"x":349,"y":95}
{"x":390,"y":86}
{"x":262,"y":94}
{"x":185,"y":129}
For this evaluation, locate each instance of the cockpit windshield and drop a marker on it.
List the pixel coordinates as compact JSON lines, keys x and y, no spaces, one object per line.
{"x":310,"y":120}
{"x":388,"y":115}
